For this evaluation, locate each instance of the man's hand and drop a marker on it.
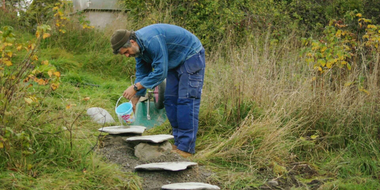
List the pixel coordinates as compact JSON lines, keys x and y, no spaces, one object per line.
{"x":129,"y":93}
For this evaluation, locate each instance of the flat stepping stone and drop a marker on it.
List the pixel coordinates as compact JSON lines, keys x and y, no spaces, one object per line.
{"x":170,"y":166}
{"x":113,"y":130}
{"x":189,"y":185}
{"x":151,"y":138}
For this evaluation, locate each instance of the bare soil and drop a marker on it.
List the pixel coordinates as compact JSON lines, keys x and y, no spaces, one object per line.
{"x":117,"y":150}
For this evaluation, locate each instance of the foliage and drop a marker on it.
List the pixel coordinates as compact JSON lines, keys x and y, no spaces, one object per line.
{"x":344,"y":47}
{"x":313,"y":15}
{"x":372,"y":10}
{"x":18,"y":80}
{"x":75,"y":44}
{"x":36,"y":130}
{"x":39,"y":12}
{"x":334,"y":50}
{"x":233,"y":19}
{"x":263,"y":108}
{"x":238,"y":18}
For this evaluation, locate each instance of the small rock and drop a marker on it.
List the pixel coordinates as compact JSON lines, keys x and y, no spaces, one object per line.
{"x":272,"y":183}
{"x":146,"y":151}
{"x":100,"y":115}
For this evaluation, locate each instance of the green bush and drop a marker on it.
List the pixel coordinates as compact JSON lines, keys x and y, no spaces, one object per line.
{"x":238,"y":18}
{"x":211,"y":21}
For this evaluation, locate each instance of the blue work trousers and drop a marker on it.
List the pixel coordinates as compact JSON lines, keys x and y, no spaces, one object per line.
{"x":182,"y":100}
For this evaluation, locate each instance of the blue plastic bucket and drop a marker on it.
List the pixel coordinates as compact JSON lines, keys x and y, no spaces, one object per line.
{"x":125,"y":111}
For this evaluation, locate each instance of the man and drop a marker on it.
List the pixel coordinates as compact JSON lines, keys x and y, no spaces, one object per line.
{"x":167,"y":51}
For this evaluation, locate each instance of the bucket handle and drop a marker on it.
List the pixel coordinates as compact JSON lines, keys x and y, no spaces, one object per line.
{"x":117,"y":103}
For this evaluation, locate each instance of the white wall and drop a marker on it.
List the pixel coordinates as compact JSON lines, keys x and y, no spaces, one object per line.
{"x":98,"y":11}
{"x":80,"y":5}
{"x":102,"y":19}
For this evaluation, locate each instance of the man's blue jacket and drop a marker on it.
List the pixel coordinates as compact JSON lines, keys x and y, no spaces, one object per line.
{"x":162,"y":47}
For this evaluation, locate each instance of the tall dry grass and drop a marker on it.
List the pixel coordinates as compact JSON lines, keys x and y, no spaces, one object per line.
{"x":300,"y":117}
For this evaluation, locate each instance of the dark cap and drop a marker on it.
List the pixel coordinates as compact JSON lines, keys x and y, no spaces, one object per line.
{"x":119,"y":38}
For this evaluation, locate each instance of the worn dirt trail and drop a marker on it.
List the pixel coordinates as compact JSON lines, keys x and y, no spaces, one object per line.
{"x":117,"y":150}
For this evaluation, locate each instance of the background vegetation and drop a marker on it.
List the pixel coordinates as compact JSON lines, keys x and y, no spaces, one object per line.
{"x":288,"y":82}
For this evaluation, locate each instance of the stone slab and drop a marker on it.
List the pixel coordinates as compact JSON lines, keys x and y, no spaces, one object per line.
{"x":151,"y":138}
{"x":170,"y":166}
{"x":189,"y":185}
{"x":113,"y":130}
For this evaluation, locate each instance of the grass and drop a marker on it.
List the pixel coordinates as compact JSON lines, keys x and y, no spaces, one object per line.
{"x":287,"y":120}
{"x":263,"y":109}
{"x":52,"y":149}
{"x":54,"y":163}
{"x":97,"y":174}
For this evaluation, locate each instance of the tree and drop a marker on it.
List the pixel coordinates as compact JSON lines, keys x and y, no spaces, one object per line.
{"x":39,"y":12}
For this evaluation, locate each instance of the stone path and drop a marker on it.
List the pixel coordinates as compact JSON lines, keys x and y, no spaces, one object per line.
{"x":150,"y":146}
